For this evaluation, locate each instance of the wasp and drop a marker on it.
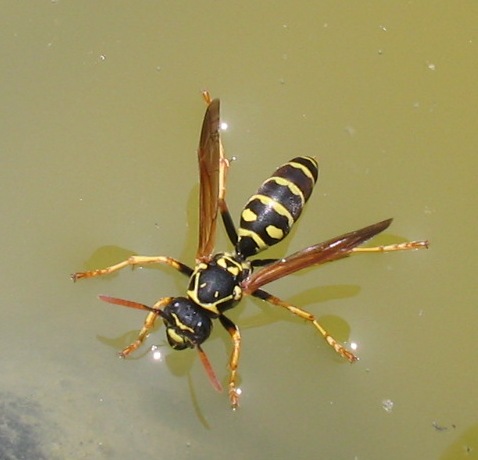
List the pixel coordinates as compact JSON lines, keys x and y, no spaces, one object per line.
{"x":218,"y":281}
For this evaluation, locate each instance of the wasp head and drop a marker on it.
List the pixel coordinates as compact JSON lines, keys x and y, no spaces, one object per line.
{"x":187,"y":324}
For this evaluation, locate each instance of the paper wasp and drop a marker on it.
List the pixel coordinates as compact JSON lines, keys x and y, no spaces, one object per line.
{"x":218,"y":281}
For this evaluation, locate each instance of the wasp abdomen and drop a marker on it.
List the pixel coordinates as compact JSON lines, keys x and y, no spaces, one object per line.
{"x":269,"y":214}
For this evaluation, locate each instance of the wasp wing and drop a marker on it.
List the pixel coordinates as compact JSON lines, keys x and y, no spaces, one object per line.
{"x":209,"y":155}
{"x":329,"y":250}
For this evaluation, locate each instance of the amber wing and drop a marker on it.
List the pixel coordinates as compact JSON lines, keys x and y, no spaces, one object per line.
{"x":209,"y":154}
{"x":329,"y":250}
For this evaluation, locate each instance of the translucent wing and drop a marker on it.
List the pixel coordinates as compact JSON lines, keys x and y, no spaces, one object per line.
{"x":209,"y":156}
{"x":330,"y":250}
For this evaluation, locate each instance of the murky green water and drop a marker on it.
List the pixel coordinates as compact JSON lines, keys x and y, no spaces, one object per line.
{"x":100,"y":119}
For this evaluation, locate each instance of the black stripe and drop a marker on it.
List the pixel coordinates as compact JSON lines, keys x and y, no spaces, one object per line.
{"x":265,"y":216}
{"x":309,"y":163}
{"x":282,"y":194}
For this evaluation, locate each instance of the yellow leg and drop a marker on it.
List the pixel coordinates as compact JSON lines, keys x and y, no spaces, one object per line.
{"x":223,"y":170}
{"x":407,"y":246}
{"x":147,"y":326}
{"x":223,"y":208}
{"x":340,"y":349}
{"x":206,"y":95}
{"x":132,"y":262}
{"x":234,"y":360}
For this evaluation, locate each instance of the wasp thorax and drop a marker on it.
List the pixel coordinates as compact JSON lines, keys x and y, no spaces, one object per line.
{"x":215,"y":286}
{"x":186,"y":324}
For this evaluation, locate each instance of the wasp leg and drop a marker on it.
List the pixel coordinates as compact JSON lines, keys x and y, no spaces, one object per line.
{"x":223,"y":170}
{"x":407,"y":246}
{"x":206,"y":95}
{"x":228,"y":222}
{"x":234,"y":360}
{"x":223,"y":209}
{"x":262,"y":262}
{"x":132,"y":262}
{"x":340,"y":349}
{"x":147,"y":326}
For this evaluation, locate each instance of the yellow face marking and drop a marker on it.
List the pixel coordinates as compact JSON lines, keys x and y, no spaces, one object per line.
{"x":175,"y":337}
{"x":274,"y":232}
{"x":248,"y":215}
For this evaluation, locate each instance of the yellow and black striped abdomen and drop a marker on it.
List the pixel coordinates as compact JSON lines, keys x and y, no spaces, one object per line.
{"x":269,"y":214}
